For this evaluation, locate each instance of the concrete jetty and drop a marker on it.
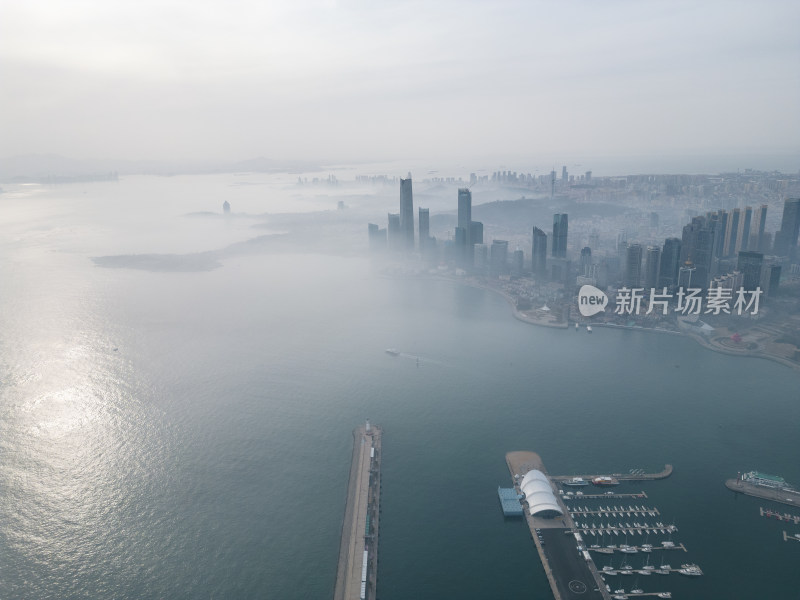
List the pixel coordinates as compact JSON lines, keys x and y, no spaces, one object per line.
{"x":356,"y":575}
{"x":621,"y":476}
{"x":572,"y":575}
{"x":784,"y":496}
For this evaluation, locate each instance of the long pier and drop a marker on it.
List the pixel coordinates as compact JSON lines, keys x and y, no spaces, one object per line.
{"x":572,"y":576}
{"x":621,"y":476}
{"x":356,"y":575}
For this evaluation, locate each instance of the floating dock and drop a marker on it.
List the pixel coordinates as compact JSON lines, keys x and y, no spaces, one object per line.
{"x":510,"y":502}
{"x":356,"y":575}
{"x":780,"y":517}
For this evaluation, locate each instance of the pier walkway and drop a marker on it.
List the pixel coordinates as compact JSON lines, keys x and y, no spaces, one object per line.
{"x":356,"y":575}
{"x":636,"y":476}
{"x":572,"y":575}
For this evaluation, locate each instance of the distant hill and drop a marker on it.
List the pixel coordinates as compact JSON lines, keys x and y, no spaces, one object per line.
{"x":527,"y":212}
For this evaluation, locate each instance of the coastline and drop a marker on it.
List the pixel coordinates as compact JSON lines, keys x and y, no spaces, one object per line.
{"x":708,"y":344}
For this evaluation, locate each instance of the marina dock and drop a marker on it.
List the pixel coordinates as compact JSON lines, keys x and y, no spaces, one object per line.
{"x":779,"y":516}
{"x":569,"y":549}
{"x":634,"y":476}
{"x":356,"y":575}
{"x":572,"y":576}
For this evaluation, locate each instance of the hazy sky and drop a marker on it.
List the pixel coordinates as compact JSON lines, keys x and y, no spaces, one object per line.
{"x":361,"y":80}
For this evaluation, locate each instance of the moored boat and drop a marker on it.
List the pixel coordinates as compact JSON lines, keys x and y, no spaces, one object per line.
{"x":604,"y":480}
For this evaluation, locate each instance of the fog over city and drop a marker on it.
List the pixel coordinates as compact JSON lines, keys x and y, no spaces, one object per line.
{"x":342,"y":81}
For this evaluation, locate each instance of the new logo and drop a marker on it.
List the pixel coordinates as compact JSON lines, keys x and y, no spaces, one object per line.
{"x":591,"y":300}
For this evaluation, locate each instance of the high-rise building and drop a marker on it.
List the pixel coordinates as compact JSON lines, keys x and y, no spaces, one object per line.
{"x":560,"y":230}
{"x":517,"y":263}
{"x":743,"y":238}
{"x":670,"y":260}
{"x":786,"y":239}
{"x":586,"y":261}
{"x":424,"y":227}
{"x":395,"y":236}
{"x":722,"y":217}
{"x":564,"y":176}
{"x":770,"y":279}
{"x":697,"y":245}
{"x":686,"y":275}
{"x":757,"y":229}
{"x":749,"y":265}
{"x":633,"y":266}
{"x":499,"y":257}
{"x":463,"y":240}
{"x":407,"y":213}
{"x":652,"y":265}
{"x":731,"y":233}
{"x":475,"y":232}
{"x":464,"y":209}
{"x":539,"y":253}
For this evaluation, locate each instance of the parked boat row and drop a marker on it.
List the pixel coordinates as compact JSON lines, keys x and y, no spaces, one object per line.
{"x":615,"y":511}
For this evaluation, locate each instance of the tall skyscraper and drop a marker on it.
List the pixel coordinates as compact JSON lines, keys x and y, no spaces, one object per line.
{"x":749,"y":265}
{"x":407,"y":213}
{"x":464,"y":245}
{"x":670,"y":260}
{"x":394,"y":234}
{"x":465,"y":210}
{"x":424,"y":227}
{"x":786,"y":238}
{"x":539,"y":253}
{"x":757,"y":229}
{"x":731,"y":233}
{"x":697,"y":245}
{"x":652,"y":265}
{"x":722,"y":226}
{"x":475,"y":232}
{"x":744,"y":230}
{"x":560,"y":230}
{"x":633,"y":266}
{"x":586,"y":261}
{"x":499,"y":257}
{"x":686,"y":276}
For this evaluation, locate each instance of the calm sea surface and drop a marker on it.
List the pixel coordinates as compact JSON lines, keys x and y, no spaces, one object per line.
{"x":188,"y":434}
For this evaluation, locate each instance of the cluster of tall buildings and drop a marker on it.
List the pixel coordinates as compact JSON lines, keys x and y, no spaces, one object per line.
{"x":715,"y":249}
{"x":399,"y":234}
{"x":718,"y":249}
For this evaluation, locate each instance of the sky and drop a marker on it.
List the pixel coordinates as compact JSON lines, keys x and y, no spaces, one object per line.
{"x":366,"y":80}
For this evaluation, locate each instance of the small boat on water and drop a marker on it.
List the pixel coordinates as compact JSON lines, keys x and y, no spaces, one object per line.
{"x":392,"y":352}
{"x":588,"y":329}
{"x":576,"y":481}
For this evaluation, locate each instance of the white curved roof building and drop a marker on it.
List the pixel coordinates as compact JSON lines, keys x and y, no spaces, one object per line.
{"x":539,"y":495}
